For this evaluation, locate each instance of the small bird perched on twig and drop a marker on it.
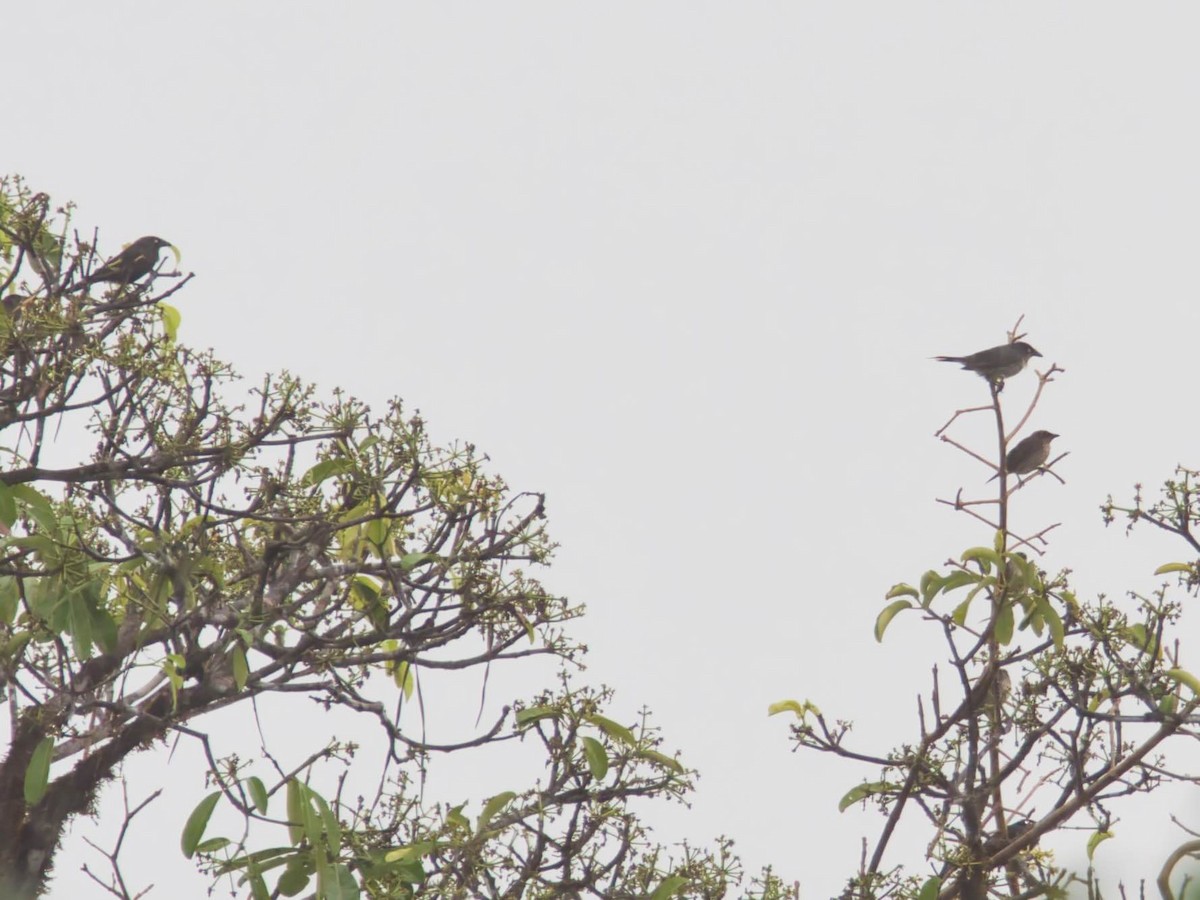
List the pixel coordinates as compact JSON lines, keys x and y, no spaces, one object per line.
{"x":996,"y":363}
{"x":994,"y":843}
{"x":135,"y":261}
{"x":1029,"y":455}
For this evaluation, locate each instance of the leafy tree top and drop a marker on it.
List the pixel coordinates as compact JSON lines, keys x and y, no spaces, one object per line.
{"x":216,"y":544}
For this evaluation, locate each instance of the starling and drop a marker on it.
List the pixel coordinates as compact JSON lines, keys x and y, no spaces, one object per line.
{"x":985,"y":690}
{"x":135,"y":261}
{"x":1030,"y":454}
{"x":994,"y":843}
{"x":996,"y":363}
{"x":13,"y":304}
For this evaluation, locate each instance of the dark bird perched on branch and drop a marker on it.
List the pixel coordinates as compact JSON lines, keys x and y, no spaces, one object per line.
{"x":996,"y":363}
{"x":1030,"y":454}
{"x":135,"y":261}
{"x":13,"y":304}
{"x":994,"y":843}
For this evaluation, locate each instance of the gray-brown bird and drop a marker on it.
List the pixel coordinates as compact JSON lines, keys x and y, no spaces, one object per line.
{"x":13,"y":305}
{"x":996,"y":363}
{"x":1029,"y":455}
{"x":135,"y":261}
{"x":994,"y":843}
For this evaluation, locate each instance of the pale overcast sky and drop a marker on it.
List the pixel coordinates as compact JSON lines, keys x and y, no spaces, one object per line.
{"x":681,"y":266}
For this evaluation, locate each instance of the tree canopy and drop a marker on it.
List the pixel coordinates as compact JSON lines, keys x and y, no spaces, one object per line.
{"x":1045,"y":709}
{"x":176,"y":542}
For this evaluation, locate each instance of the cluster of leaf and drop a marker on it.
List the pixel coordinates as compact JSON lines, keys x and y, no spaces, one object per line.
{"x":1053,"y":709}
{"x":219,"y":544}
{"x":573,"y":835}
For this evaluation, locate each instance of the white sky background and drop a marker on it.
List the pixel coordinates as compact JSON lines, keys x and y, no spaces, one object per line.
{"x":681,"y":267}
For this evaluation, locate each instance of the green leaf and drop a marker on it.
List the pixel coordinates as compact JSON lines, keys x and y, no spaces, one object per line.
{"x":411,"y":872}
{"x":979,"y":587}
{"x":931,"y":583}
{"x":366,"y":593}
{"x":1136,"y":634}
{"x":330,"y":825}
{"x":1033,"y":619}
{"x":295,"y":811}
{"x":80,"y":623}
{"x":37,"y":773}
{"x":930,"y":889}
{"x":8,"y":505}
{"x":902,"y":590}
{"x":959,"y":616}
{"x":377,"y":531}
{"x":325,"y":469}
{"x":37,"y":506}
{"x":800,"y":709}
{"x":196,"y":823}
{"x":294,"y":878}
{"x":533,"y":713}
{"x":258,"y":793}
{"x":367,"y":587}
{"x":493,"y":806}
{"x":170,"y":319}
{"x":662,"y":759}
{"x":986,"y":557}
{"x":1185,"y":678}
{"x":241,"y":670}
{"x":1054,"y":621}
{"x":213,"y":844}
{"x":885,"y":617}
{"x":104,"y":630}
{"x":1005,"y":623}
{"x":455,"y":818}
{"x":313,"y":826}
{"x":13,"y":647}
{"x":326,"y":879}
{"x":1174,"y":567}
{"x":9,"y":598}
{"x":597,"y":758}
{"x":338,"y":883}
{"x":410,"y":561}
{"x":613,"y":729}
{"x":1096,"y":840}
{"x":401,"y":862}
{"x":529,"y":632}
{"x":173,"y":667}
{"x":959,"y":578}
{"x":405,"y":678}
{"x":669,"y":887}
{"x":410,"y":851}
{"x":49,"y":600}
{"x":861,"y":792}
{"x":258,"y":887}
{"x":259,"y":860}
